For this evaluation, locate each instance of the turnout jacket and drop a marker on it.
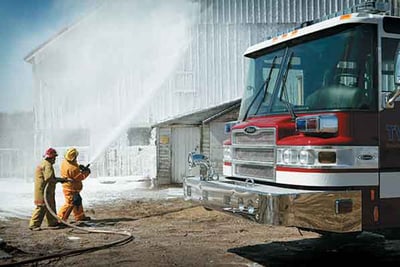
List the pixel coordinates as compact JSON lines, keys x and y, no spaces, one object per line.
{"x":44,"y":174}
{"x":70,"y":169}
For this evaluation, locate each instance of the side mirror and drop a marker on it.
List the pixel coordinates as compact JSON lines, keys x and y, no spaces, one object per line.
{"x":390,"y":102}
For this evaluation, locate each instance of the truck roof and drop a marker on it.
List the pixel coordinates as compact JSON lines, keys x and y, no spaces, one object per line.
{"x":319,"y":26}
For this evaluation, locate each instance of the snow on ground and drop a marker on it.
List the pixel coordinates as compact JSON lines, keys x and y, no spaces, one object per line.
{"x":16,"y":195}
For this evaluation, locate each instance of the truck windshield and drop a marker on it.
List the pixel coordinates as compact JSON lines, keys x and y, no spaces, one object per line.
{"x":333,"y":70}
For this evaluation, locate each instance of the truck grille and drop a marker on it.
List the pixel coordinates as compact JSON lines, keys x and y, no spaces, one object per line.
{"x":254,"y":154}
{"x":265,"y":137}
{"x":265,"y":155}
{"x":254,"y":171}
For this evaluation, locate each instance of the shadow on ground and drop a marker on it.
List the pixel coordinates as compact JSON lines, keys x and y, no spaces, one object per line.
{"x":103,"y":222}
{"x":365,"y":248}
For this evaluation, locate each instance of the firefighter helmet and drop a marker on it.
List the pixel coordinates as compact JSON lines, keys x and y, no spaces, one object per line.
{"x":71,"y":154}
{"x":50,"y":153}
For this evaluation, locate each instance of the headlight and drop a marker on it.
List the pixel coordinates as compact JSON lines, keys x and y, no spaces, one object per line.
{"x":296,"y":156}
{"x":227,"y":153}
{"x":306,"y":157}
{"x":290,"y":156}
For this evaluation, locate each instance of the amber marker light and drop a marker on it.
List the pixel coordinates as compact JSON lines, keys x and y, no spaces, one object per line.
{"x":376,"y":214}
{"x":346,"y":16}
{"x":372,"y":193}
{"x":327,"y":157}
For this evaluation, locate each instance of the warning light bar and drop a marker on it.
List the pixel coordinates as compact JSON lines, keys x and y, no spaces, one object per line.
{"x":317,"y":124}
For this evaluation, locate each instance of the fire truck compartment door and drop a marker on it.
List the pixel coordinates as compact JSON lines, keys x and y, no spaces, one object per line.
{"x":389,"y":125}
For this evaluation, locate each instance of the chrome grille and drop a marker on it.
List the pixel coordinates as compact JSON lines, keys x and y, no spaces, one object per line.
{"x":253,"y":155}
{"x":265,"y":155}
{"x":255,"y":171}
{"x":262,"y":137}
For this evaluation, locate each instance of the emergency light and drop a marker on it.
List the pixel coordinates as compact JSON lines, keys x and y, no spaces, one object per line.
{"x":327,"y":123}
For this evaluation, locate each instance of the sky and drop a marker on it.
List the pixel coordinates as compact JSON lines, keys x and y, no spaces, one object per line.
{"x":24,"y":25}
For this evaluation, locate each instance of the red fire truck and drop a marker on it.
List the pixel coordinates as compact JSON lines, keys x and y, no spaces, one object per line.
{"x":317,"y":142}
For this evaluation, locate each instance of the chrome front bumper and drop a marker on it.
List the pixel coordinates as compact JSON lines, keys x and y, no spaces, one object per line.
{"x":334,"y":211}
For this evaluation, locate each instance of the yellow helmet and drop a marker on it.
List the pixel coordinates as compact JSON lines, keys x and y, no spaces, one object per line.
{"x":71,"y":154}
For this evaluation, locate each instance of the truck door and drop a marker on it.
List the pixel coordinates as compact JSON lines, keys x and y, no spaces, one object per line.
{"x":389,"y":158}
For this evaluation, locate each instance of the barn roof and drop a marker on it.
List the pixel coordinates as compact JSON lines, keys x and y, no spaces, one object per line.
{"x":201,"y":116}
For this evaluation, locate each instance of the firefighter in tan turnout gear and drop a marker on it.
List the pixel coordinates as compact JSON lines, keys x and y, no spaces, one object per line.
{"x":76,"y":173}
{"x":44,"y":175}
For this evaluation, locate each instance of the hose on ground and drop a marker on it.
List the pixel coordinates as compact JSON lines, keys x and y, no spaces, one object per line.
{"x":127,"y":238}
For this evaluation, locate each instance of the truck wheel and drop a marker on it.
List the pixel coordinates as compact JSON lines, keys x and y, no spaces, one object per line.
{"x":391,"y":234}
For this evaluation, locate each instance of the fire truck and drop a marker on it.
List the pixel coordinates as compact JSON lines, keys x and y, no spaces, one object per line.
{"x":317,"y":141}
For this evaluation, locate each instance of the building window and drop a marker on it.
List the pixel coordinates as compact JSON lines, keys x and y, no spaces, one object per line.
{"x":71,"y":137}
{"x":139,"y":136}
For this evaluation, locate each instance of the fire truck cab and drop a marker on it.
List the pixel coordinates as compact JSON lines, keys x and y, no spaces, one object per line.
{"x":317,"y":142}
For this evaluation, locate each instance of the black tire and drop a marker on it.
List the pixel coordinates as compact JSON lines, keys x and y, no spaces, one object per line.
{"x":390,"y":234}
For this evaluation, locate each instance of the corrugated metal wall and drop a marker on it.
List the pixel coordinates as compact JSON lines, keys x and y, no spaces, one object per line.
{"x":213,"y":70}
{"x":273,"y":11}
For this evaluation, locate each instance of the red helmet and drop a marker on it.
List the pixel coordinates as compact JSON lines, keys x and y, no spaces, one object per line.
{"x":50,"y":153}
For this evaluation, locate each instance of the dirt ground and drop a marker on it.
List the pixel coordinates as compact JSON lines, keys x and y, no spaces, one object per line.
{"x":178,"y":233}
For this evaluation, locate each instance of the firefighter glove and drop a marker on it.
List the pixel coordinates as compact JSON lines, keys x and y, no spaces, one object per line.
{"x":77,"y":200}
{"x":84,"y":168}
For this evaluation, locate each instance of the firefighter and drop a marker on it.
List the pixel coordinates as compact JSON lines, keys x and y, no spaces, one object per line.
{"x":76,"y":173}
{"x":44,"y":174}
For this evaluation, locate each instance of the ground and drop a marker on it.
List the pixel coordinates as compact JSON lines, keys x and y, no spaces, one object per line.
{"x":174,"y":232}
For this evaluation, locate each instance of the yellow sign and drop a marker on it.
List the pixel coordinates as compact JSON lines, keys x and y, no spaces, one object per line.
{"x":164,"y":139}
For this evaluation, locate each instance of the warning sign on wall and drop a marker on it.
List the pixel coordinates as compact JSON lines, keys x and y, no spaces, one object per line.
{"x":164,"y":139}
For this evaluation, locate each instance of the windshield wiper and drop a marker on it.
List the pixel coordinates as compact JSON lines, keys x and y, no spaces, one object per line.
{"x":263,"y":86}
{"x":284,"y":93}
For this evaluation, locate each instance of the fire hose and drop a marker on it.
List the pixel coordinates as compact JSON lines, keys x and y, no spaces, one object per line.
{"x":127,"y":238}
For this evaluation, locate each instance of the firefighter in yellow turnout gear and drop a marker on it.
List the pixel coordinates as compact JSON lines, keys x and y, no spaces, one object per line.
{"x":76,"y":174}
{"x":44,"y":174}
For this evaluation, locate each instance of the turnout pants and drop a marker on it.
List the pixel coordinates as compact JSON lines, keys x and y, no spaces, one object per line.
{"x":71,"y":206}
{"x":41,"y":211}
